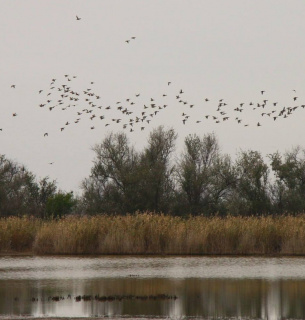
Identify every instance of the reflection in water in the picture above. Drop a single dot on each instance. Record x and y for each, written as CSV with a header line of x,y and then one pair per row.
x,y
226,297
196,297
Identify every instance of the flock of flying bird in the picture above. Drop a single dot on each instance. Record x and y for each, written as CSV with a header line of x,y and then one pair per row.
x,y
133,113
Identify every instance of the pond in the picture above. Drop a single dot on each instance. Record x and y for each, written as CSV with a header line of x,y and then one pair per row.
x,y
150,287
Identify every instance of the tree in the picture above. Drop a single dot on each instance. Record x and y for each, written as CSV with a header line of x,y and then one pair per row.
x,y
251,193
19,191
15,186
204,175
155,170
112,185
123,180
60,204
223,182
289,187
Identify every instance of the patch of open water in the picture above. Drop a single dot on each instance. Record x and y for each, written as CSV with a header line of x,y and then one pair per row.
x,y
172,287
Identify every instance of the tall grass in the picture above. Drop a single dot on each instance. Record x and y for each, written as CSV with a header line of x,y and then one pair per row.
x,y
147,233
18,234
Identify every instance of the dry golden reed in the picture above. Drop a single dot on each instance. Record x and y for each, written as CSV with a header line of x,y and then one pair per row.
x,y
18,234
149,233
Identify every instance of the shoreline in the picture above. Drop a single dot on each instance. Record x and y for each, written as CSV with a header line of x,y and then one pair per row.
x,y
86,318
150,255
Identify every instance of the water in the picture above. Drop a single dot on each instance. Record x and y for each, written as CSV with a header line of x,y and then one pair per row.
x,y
205,287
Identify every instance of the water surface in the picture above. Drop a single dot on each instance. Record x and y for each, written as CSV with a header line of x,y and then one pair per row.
x,y
205,287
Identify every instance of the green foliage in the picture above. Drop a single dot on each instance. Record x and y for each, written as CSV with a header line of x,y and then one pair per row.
x,y
59,205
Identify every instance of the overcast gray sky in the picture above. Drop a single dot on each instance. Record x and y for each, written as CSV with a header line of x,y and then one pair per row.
x,y
227,50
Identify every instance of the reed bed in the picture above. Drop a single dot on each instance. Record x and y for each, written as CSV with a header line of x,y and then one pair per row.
x,y
148,233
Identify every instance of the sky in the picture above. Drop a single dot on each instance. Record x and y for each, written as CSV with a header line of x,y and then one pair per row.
x,y
230,50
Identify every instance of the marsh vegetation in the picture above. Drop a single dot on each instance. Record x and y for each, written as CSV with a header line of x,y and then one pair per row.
x,y
149,233
154,201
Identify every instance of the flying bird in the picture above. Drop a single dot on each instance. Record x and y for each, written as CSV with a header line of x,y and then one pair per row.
x,y
78,18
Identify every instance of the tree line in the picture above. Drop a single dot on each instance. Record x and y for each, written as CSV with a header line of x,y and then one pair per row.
x,y
199,180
